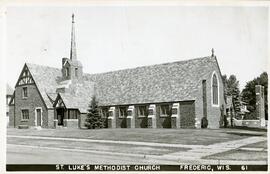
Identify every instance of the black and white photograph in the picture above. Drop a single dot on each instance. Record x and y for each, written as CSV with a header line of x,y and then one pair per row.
x,y
136,87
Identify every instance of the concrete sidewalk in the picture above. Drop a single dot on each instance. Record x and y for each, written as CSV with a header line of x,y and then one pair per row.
x,y
194,155
200,152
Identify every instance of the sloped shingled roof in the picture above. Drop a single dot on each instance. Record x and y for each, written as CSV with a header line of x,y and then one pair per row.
x,y
79,95
46,79
176,81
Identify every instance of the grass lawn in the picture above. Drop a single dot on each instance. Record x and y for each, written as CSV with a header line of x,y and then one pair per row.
x,y
173,136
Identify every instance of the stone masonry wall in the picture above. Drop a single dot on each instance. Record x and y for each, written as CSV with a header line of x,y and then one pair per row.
x,y
33,101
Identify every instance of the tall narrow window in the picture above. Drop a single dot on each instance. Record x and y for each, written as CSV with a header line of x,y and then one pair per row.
x,y
215,90
67,72
76,72
24,92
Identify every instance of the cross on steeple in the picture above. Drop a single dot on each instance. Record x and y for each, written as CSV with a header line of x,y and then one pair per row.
x,y
73,55
212,50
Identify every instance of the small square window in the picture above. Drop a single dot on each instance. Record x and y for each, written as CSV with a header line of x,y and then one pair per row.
x,y
24,92
25,114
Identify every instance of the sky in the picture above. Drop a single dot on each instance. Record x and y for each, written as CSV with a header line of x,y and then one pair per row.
x,y
117,37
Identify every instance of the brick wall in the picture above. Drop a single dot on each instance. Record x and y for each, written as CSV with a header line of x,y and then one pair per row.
x,y
213,112
33,101
71,123
187,114
82,119
50,118
173,122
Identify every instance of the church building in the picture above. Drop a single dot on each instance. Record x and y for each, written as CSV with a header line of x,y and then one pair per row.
x,y
170,95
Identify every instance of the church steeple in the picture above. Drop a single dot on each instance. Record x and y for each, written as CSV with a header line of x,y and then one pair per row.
x,y
73,54
72,68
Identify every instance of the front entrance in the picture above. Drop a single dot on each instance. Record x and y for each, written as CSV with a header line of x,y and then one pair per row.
x,y
60,116
38,117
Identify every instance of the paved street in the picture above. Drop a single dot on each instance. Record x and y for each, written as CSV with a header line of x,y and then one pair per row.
x,y
25,148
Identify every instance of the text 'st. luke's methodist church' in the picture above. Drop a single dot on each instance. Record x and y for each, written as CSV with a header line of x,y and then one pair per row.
x,y
170,95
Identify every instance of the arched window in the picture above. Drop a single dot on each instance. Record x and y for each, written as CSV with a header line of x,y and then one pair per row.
x,y
67,72
214,90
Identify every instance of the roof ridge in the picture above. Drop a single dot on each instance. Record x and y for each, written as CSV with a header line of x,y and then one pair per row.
x,y
160,64
45,66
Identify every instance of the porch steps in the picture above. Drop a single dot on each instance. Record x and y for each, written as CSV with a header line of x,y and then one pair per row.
x,y
60,127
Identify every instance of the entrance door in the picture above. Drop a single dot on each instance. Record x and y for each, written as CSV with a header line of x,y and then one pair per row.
x,y
60,116
38,112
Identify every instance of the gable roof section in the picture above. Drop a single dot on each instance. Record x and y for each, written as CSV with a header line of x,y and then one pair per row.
x,y
176,81
46,79
79,95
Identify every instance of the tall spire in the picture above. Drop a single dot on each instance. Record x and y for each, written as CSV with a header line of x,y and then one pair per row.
x,y
73,55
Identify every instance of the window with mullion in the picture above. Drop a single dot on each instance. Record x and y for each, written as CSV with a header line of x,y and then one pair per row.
x,y
164,110
25,114
142,111
122,112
